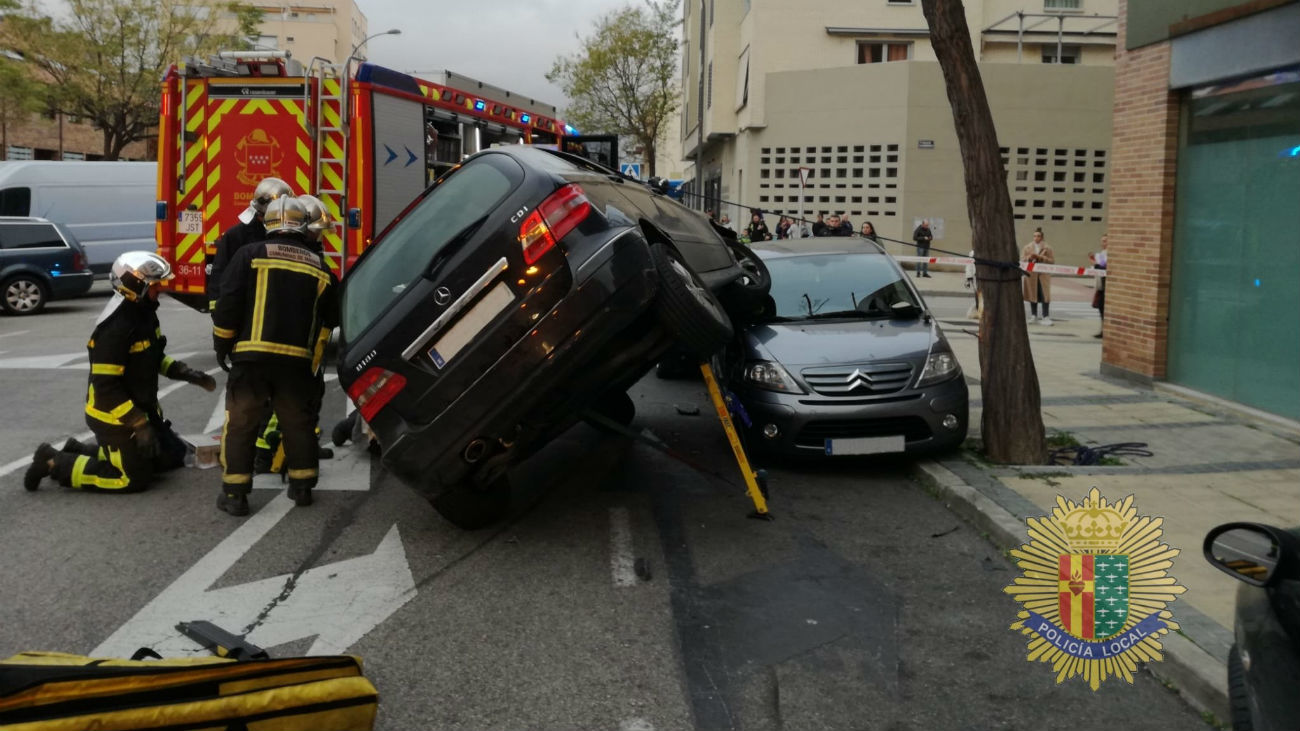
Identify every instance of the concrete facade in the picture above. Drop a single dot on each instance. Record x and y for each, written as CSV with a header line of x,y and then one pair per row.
x,y
859,84
326,28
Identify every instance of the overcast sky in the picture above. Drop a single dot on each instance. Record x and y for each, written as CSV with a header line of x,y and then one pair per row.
x,y
508,43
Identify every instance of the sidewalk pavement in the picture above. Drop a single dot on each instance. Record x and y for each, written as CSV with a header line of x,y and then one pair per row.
x,y
1211,464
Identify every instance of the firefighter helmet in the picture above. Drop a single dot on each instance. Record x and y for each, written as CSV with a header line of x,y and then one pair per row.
x,y
285,215
318,218
268,190
134,271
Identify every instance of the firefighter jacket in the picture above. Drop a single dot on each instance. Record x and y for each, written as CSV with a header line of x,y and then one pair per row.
x,y
279,302
235,238
126,358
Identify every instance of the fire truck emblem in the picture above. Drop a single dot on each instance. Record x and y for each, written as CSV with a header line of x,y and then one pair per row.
x,y
258,155
1094,589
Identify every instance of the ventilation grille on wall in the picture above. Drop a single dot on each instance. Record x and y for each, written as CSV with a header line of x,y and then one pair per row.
x,y
858,180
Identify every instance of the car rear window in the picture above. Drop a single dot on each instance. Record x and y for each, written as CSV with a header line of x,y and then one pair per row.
x,y
457,200
29,236
819,284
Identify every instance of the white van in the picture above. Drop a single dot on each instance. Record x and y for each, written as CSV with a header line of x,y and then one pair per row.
x,y
108,206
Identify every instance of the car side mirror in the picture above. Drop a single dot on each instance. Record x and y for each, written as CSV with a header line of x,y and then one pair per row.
x,y
1259,555
905,310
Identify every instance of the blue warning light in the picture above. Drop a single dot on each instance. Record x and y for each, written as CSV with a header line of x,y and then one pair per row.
x,y
524,118
1256,281
1295,151
479,105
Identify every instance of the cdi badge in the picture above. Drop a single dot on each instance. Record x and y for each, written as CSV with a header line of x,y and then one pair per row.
x,y
1094,589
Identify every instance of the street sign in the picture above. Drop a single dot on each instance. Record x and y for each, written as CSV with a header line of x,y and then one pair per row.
x,y
803,176
631,169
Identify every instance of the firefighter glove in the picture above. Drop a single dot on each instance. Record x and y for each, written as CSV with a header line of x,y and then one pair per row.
x,y
198,378
223,346
146,440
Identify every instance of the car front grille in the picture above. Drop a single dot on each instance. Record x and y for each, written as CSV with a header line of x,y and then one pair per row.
x,y
861,380
815,433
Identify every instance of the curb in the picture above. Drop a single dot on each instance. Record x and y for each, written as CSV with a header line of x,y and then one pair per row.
x,y
1197,676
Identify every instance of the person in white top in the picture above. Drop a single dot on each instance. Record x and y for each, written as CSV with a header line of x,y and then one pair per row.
x,y
1038,285
1099,296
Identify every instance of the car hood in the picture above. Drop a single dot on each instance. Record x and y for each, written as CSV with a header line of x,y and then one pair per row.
x,y
817,343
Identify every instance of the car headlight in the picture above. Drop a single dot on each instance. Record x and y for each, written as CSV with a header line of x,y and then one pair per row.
x,y
938,367
771,377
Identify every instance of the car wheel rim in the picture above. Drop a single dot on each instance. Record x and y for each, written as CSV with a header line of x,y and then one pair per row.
x,y
23,296
697,291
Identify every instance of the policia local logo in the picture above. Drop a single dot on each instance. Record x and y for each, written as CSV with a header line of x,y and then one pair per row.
x,y
1094,589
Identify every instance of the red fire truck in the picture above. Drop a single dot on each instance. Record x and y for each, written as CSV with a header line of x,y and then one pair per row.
x,y
366,143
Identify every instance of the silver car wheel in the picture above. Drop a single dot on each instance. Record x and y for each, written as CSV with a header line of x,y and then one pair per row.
x,y
23,295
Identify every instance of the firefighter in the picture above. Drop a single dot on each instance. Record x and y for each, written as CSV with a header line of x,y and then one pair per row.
x,y
133,441
278,304
250,229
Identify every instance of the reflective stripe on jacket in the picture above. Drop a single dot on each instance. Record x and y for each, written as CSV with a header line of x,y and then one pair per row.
x,y
126,357
277,301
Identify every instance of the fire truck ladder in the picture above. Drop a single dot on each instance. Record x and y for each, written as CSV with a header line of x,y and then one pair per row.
x,y
330,121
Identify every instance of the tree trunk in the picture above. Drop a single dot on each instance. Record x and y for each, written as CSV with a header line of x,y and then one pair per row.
x,y
1012,425
650,159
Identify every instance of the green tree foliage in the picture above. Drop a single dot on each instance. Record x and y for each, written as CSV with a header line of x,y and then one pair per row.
x,y
20,98
103,59
623,79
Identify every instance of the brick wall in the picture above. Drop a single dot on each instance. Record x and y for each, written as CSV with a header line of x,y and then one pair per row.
x,y
1141,221
42,135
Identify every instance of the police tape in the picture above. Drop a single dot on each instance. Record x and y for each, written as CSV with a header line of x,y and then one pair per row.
x,y
1029,266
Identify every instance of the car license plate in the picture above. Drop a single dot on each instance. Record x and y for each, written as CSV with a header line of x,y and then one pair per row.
x,y
472,323
865,445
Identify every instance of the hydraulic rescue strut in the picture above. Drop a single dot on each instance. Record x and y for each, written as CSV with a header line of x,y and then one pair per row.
x,y
724,415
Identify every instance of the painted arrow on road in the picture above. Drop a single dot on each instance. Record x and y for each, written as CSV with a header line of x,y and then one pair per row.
x,y
336,603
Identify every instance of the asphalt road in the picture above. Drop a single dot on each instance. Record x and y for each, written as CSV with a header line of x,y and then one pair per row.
x,y
628,590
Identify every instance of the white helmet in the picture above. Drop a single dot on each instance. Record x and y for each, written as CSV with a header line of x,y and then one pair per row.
x,y
285,214
318,217
134,271
268,190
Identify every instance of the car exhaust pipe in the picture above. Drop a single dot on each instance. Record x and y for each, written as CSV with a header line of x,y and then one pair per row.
x,y
475,450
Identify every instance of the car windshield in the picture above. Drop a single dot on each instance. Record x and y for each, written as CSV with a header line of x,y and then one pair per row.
x,y
818,286
458,201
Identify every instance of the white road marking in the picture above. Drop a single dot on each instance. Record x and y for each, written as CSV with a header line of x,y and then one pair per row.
x,y
24,461
336,603
43,362
218,418
331,377
621,561
349,471
13,334
636,724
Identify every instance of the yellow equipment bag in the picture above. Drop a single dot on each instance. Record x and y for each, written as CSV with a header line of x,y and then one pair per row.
x,y
54,691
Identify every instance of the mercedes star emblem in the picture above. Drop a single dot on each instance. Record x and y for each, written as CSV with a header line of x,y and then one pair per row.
x,y
442,295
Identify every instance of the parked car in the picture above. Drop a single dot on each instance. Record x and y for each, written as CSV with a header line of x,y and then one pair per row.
x,y
39,261
108,206
524,287
1264,661
846,359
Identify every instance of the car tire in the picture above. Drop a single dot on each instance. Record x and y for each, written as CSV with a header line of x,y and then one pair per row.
x,y
616,406
23,294
686,307
470,507
1238,700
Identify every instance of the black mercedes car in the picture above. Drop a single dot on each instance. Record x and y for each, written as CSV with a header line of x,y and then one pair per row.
x,y
524,288
1264,662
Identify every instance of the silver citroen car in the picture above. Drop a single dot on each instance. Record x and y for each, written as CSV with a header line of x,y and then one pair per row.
x,y
845,359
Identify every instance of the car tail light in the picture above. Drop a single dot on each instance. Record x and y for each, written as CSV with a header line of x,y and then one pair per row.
x,y
78,262
374,389
559,214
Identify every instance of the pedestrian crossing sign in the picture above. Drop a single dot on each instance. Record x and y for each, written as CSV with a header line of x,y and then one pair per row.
x,y
631,169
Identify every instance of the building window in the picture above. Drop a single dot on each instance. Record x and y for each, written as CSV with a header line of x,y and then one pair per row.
x,y
708,99
18,153
1061,5
882,52
1069,54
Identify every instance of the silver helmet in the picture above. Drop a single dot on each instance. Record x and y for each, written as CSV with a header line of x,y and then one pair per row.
x,y
134,271
268,190
318,217
285,214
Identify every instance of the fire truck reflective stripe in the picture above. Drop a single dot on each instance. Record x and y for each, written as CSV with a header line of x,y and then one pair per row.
x,y
214,177
257,106
213,206
304,155
291,106
192,180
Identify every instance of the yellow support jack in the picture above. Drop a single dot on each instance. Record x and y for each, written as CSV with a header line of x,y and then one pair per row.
x,y
724,415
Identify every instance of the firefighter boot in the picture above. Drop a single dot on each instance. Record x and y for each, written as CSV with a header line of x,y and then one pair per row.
x,y
78,447
234,503
40,467
300,492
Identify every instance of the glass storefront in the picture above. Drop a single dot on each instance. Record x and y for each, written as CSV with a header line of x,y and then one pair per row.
x,y
1234,328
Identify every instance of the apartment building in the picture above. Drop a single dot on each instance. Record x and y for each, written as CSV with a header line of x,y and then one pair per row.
x,y
1204,292
850,92
320,28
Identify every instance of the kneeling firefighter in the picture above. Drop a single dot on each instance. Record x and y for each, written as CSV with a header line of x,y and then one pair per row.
x,y
278,304
133,441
